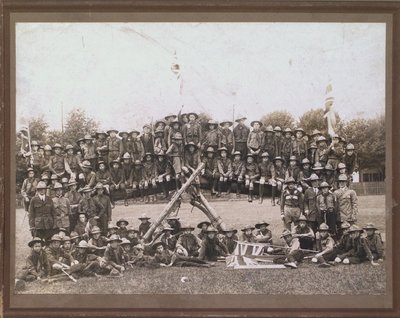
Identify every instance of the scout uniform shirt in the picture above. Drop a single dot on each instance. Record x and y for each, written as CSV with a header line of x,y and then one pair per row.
x,y
374,243
58,165
310,204
230,243
227,139
192,133
267,170
224,167
210,166
251,170
148,143
56,256
299,148
255,139
212,139
163,167
148,171
62,209
115,256
212,248
190,243
89,151
287,146
36,264
41,213
73,162
237,168
293,172
113,148
326,244
124,146
160,145
269,145
347,204
241,133
127,171
293,199
102,148
351,162
28,188
90,179
91,207
117,175
104,177
137,149
143,228
263,237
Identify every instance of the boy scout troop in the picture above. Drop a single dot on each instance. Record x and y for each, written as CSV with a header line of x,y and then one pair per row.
x,y
305,177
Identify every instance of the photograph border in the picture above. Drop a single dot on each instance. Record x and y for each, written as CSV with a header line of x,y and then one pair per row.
x,y
171,305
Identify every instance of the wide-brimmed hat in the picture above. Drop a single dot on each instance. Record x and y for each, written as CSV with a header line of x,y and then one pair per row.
x,y
355,228
86,164
258,225
200,225
29,170
248,227
123,133
345,225
99,185
157,244
134,131
269,128
222,149
54,177
237,153
101,132
212,122
328,166
143,217
175,121
288,131
126,156
114,238
256,121
125,241
132,229
138,163
80,140
285,233
211,229
41,185
239,118
290,180
35,240
369,226
114,161
279,158
159,131
177,136
317,166
56,237
112,130
111,226
323,227
95,230
210,149
230,229
83,244
191,144
187,227
173,218
88,137
265,155
277,128
341,165
302,218
58,185
314,177
47,148
350,146
57,146
299,129
316,132
160,121
66,239
324,184
170,116
74,235
122,220
250,155
342,177
321,138
68,147
72,182
305,161
192,113
167,228
293,158
226,122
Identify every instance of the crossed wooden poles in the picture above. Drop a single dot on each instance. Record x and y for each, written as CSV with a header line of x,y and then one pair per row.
x,y
198,200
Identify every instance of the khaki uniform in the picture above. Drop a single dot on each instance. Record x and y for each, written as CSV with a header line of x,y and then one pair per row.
x,y
63,209
292,206
346,205
42,217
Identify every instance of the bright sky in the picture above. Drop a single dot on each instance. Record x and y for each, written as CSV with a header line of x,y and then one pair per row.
x,y
120,73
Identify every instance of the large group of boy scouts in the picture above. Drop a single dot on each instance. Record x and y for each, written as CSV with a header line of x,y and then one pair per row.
x,y
70,190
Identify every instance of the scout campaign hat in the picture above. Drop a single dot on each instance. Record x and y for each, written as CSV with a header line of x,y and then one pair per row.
x,y
132,229
323,227
58,186
192,113
210,149
74,235
248,227
55,237
167,228
88,137
342,177
148,154
112,130
170,116
66,239
34,143
211,229
99,185
293,158
114,238
144,217
57,146
35,240
250,155
315,132
187,227
44,177
125,241
230,229
68,147
324,184
305,161
134,131
126,156
222,124
314,177
71,183
86,164
191,144
240,118
302,218
269,128
29,170
54,177
265,155
212,122
80,140
299,129
41,185
237,153
139,247
113,162
258,225
159,130
175,121
177,136
47,148
102,132
355,228
313,145
290,180
278,158
161,154
200,225
329,167
350,147
173,218
157,244
160,121
121,133
62,229
277,128
317,166
222,149
285,233
255,122
320,139
122,220
147,126
83,244
138,163
345,225
341,165
288,130
95,230
369,226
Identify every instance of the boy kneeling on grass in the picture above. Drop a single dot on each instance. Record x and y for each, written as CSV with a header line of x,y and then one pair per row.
x,y
326,247
114,260
293,253
88,264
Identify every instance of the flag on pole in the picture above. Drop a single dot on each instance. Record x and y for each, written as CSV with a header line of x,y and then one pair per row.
x,y
329,113
176,69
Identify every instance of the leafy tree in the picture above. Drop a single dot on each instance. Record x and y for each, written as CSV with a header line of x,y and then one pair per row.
x,y
77,125
54,137
368,137
279,118
38,128
314,119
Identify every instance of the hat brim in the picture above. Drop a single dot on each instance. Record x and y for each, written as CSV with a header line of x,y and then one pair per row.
x,y
200,225
258,225
112,130
248,228
119,222
226,122
155,245
241,118
188,228
31,243
230,230
144,218
370,228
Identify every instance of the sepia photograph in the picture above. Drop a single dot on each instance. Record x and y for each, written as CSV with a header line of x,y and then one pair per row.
x,y
200,158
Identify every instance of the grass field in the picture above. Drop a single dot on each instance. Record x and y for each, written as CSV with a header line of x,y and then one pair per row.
x,y
306,280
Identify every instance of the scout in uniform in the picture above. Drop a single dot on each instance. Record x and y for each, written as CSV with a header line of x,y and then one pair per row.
x,y
241,133
128,251
74,197
88,265
292,204
212,137
318,169
175,224
112,229
125,145
44,167
169,120
160,144
175,153
168,239
293,169
346,202
36,156
304,233
278,142
224,172
28,188
67,245
311,211
103,176
137,146
50,190
251,174
203,226
293,253
335,151
75,238
58,165
321,154
163,173
87,177
97,242
211,248
305,173
341,170
263,234
149,175
106,213
122,230
247,235
62,208
269,141
255,140
230,239
192,130
267,176
227,138
114,255
325,247
36,264
73,161
237,172
329,176
287,144
188,241
41,213
191,162
174,129
57,258
210,170
91,207
127,167
326,205
350,159
132,236
144,225
138,180
374,241
101,144
344,240
117,181
81,226
300,148
280,173
113,145
90,151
